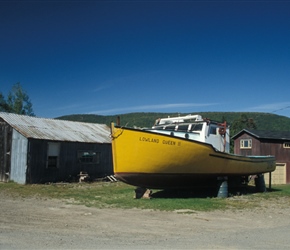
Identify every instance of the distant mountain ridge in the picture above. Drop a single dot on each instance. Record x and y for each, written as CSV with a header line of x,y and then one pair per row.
x,y
264,121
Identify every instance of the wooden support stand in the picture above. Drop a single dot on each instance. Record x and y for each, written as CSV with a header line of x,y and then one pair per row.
x,y
260,183
142,193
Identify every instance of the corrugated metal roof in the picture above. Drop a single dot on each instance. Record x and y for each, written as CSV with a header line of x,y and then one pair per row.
x,y
57,130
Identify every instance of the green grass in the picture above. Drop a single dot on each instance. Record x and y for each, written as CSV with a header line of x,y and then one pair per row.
x,y
120,195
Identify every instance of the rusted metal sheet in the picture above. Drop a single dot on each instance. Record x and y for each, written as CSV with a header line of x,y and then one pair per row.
x,y
18,158
57,130
5,150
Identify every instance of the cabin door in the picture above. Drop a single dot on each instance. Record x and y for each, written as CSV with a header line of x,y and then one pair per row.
x,y
5,151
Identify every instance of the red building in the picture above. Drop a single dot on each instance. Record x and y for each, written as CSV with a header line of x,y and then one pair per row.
x,y
258,142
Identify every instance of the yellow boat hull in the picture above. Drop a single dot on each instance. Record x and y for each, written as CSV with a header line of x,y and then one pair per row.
x,y
146,159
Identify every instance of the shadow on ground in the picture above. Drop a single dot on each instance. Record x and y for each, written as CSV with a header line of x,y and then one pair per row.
x,y
204,192
184,193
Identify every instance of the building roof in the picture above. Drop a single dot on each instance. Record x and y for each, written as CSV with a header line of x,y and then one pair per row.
x,y
57,130
263,134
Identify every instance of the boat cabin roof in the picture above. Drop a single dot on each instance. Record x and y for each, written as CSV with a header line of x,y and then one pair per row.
x,y
182,127
188,123
180,119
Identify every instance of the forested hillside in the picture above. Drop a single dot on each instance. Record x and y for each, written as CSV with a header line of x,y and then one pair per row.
x,y
263,121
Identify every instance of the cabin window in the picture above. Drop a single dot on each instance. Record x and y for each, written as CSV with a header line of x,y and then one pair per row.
x,y
246,143
196,127
212,130
286,145
89,157
170,128
53,151
183,128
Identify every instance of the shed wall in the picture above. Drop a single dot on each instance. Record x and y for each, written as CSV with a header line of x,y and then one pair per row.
x,y
5,150
69,165
266,147
18,158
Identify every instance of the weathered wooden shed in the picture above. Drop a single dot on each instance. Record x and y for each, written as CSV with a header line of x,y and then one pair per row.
x,y
38,150
258,142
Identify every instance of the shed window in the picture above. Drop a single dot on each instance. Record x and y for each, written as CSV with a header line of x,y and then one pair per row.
x,y
286,145
53,155
246,143
88,157
52,162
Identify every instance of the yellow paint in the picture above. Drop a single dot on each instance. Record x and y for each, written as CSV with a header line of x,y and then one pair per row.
x,y
138,151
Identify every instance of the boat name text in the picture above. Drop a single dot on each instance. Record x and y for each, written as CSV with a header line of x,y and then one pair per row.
x,y
169,142
149,139
155,140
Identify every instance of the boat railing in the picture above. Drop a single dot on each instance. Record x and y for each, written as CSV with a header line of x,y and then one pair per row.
x,y
179,119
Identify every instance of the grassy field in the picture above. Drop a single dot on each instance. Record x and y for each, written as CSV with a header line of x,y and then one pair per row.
x,y
120,195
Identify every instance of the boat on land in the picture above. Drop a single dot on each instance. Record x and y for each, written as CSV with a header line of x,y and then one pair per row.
x,y
181,152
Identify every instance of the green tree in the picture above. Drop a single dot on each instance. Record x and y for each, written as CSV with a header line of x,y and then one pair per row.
x,y
17,102
243,122
3,104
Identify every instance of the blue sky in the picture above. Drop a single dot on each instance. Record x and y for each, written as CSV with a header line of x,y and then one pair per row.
x,y
116,57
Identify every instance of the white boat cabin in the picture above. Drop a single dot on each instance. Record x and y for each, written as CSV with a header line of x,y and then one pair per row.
x,y
194,127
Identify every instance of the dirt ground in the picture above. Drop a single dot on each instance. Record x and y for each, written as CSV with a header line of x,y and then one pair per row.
x,y
54,224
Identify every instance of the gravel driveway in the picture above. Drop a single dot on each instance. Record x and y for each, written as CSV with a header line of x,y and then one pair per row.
x,y
53,224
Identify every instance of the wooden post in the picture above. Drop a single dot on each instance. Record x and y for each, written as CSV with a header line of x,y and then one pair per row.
x,y
260,183
142,193
270,181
